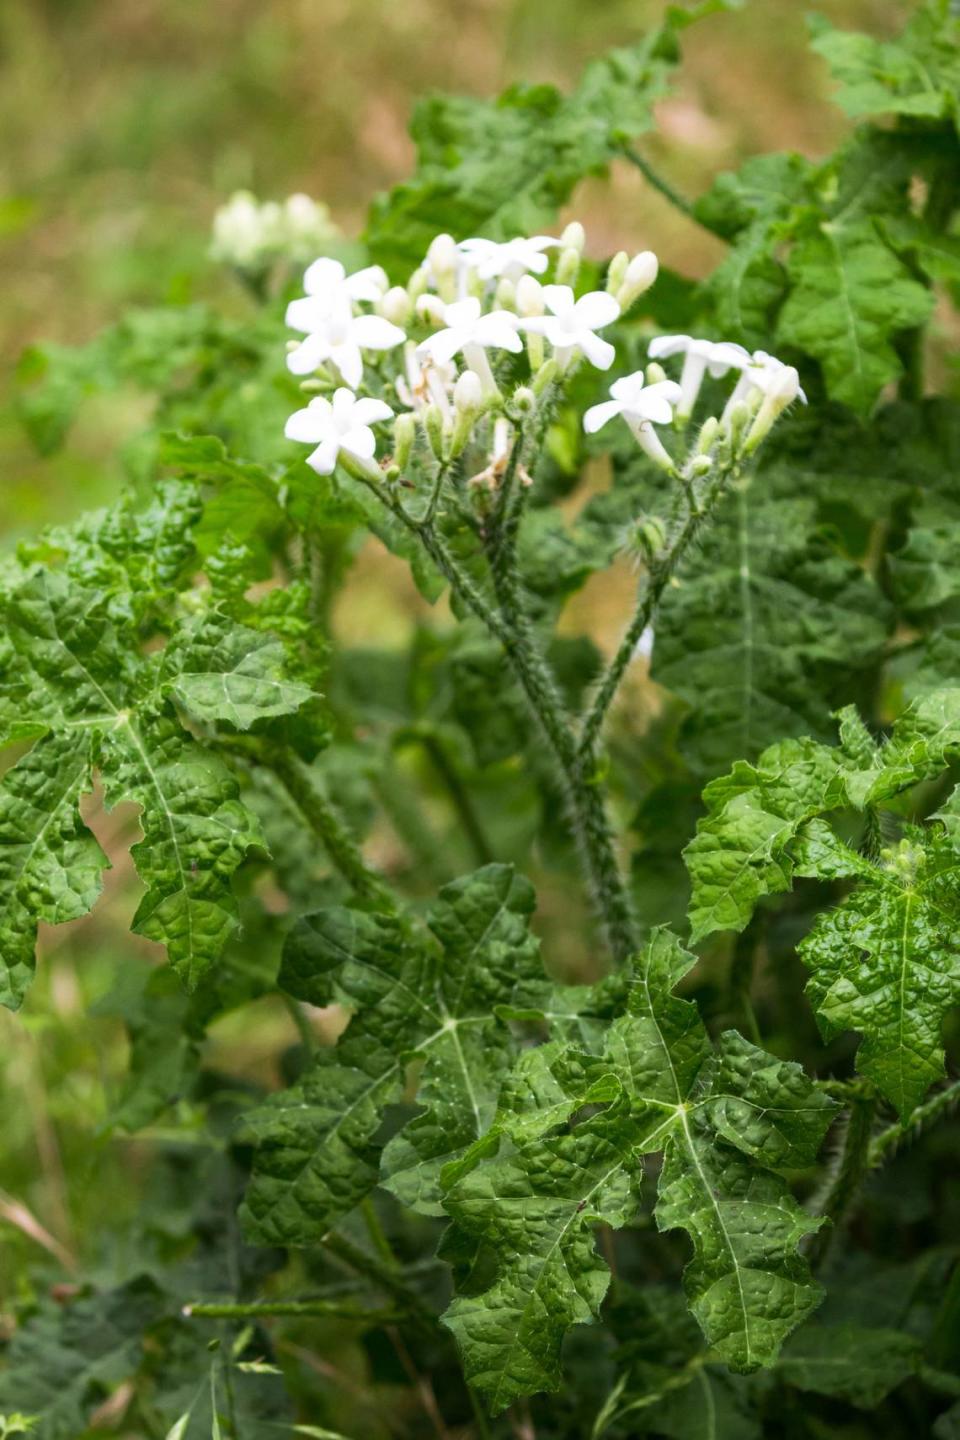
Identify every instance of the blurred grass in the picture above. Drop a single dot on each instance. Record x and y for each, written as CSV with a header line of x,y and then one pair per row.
x,y
124,124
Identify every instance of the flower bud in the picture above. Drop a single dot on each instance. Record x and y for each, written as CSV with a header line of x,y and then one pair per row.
x,y
392,473
709,434
314,387
404,434
433,425
574,237
545,375
396,306
649,536
430,308
737,421
617,272
640,275
699,466
443,257
468,393
505,295
418,283
778,397
655,374
524,400
529,297
568,266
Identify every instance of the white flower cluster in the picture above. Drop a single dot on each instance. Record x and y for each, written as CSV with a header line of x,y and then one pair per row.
x,y
251,235
464,306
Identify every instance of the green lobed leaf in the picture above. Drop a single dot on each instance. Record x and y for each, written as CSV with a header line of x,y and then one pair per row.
x,y
917,74
849,1362
527,1199
221,671
317,1147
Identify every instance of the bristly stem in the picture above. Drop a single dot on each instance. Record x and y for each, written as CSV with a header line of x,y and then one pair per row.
x,y
334,1309
459,796
933,1109
677,200
662,567
848,1173
305,791
584,801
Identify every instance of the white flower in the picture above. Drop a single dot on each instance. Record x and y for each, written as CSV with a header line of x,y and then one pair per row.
x,y
426,383
343,425
764,373
238,232
642,406
470,332
330,288
340,337
699,356
511,259
571,325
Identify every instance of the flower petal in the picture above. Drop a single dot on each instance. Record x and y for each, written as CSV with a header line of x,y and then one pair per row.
x,y
663,345
462,313
595,310
368,411
308,313
310,353
628,387
367,284
310,424
359,442
442,347
597,350
372,332
598,415
349,362
498,331
559,299
324,458
323,275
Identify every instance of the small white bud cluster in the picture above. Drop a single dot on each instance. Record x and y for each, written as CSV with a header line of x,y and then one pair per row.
x,y
252,235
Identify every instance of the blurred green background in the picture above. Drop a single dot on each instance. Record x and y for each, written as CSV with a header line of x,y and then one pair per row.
x,y
123,125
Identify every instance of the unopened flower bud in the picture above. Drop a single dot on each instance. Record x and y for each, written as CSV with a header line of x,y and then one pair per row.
x,y
574,237
392,473
404,434
418,283
468,393
396,306
529,297
699,466
709,434
737,421
775,401
617,272
430,308
545,376
443,256
313,387
524,400
568,266
433,425
640,275
506,294
650,536
655,374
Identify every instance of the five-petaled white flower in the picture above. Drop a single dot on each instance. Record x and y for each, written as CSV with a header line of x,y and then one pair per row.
x,y
330,288
343,425
765,373
470,332
642,406
491,260
340,337
699,356
571,325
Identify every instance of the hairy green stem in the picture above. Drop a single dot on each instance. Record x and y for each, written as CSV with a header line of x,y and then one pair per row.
x,y
338,1310
304,790
663,566
584,801
933,1109
459,797
386,1276
846,1177
654,178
